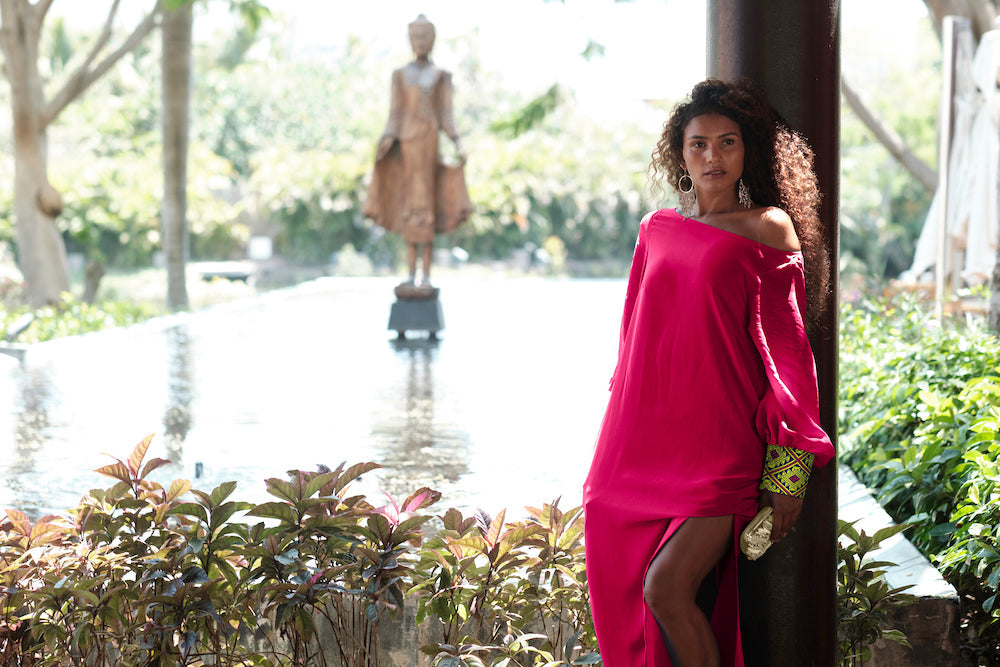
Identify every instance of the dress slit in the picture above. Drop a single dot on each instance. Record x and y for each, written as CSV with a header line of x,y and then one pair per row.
x,y
724,619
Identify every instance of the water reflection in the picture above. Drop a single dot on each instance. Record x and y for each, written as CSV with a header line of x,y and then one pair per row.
x,y
32,418
501,412
30,422
177,418
416,449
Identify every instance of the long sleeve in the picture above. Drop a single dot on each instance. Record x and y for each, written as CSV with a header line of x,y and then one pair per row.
x,y
788,413
632,291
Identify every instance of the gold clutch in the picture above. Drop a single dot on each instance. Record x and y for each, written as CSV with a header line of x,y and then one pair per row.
x,y
756,537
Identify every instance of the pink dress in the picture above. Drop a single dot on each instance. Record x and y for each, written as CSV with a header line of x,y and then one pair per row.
x,y
713,364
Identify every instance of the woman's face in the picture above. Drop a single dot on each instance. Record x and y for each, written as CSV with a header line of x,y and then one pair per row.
x,y
713,152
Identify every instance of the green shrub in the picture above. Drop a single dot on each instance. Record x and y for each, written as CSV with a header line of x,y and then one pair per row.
x,y
919,411
863,596
73,317
139,575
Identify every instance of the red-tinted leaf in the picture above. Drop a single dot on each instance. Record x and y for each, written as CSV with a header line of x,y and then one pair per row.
x,y
205,499
493,534
117,471
152,465
43,532
353,473
421,498
454,521
380,525
177,488
138,454
20,522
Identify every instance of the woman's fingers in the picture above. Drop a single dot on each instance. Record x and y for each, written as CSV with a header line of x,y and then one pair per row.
x,y
786,511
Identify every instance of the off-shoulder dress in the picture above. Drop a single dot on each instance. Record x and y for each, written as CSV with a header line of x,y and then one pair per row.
x,y
713,366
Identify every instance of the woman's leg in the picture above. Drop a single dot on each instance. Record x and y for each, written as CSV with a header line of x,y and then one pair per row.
x,y
672,583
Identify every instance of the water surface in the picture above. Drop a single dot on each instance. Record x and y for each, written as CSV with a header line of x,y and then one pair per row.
x,y
501,411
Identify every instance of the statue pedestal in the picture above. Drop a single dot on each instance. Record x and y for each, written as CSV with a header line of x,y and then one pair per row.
x,y
416,312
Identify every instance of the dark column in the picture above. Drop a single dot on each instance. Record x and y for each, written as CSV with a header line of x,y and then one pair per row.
x,y
792,48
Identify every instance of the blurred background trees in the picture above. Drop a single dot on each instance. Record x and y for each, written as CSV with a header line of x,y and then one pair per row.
x,y
281,147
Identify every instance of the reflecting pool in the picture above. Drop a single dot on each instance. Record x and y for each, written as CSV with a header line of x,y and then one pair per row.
x,y
500,411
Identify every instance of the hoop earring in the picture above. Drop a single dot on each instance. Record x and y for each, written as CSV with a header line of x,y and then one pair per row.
x,y
743,195
687,196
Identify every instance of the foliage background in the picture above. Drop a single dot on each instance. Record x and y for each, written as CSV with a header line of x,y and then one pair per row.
x,y
282,146
920,425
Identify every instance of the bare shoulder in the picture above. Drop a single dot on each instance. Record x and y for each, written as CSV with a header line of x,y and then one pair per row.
x,y
775,229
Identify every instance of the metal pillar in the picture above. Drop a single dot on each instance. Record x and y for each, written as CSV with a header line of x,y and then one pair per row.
x,y
792,48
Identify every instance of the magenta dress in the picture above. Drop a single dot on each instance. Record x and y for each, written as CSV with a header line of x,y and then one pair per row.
x,y
713,364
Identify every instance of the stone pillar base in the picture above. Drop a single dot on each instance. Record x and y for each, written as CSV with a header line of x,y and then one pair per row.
x,y
416,315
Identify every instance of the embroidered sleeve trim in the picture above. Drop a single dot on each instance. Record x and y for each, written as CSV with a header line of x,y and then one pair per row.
x,y
786,470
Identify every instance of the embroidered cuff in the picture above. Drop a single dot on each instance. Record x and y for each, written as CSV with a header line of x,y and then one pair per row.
x,y
786,470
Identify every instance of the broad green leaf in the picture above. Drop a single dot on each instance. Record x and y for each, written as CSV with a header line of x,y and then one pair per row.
x,y
220,493
317,482
189,509
274,510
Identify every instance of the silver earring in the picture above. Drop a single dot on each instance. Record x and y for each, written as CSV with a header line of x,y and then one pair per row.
x,y
743,194
687,195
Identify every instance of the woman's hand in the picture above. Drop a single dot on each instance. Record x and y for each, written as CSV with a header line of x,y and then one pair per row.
x,y
786,511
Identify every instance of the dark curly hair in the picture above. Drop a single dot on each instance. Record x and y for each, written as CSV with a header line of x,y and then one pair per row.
x,y
777,168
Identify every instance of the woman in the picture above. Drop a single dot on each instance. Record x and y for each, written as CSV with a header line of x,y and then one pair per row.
x,y
714,409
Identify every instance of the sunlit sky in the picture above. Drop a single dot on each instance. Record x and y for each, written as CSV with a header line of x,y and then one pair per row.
x,y
654,49
651,46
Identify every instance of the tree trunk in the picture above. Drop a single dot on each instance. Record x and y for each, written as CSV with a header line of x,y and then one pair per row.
x,y
176,63
41,250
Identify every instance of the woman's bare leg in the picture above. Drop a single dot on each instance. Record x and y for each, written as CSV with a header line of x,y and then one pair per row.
x,y
672,583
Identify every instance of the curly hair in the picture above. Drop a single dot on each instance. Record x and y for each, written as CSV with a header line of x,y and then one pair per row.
x,y
777,168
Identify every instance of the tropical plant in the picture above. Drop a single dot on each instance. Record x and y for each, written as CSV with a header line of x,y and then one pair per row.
x,y
507,594
919,407
863,596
